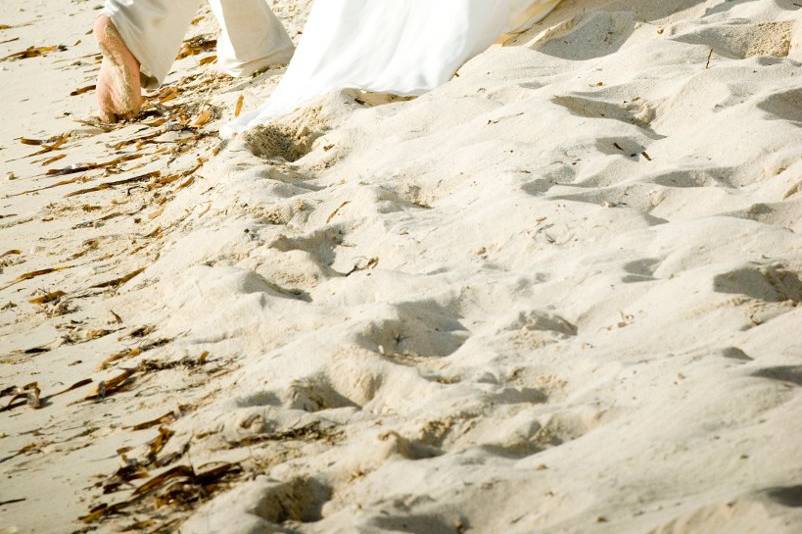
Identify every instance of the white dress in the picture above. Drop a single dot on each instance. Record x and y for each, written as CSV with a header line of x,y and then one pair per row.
x,y
403,47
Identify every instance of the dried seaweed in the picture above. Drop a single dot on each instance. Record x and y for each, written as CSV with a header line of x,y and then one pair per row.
x,y
141,331
239,105
47,297
124,476
310,432
79,384
163,181
31,142
117,282
40,272
197,45
166,419
51,186
54,159
133,352
109,387
110,185
335,212
36,350
156,445
33,51
83,167
30,392
179,485
82,90
48,145
202,118
35,274
117,356
103,510
189,475
167,94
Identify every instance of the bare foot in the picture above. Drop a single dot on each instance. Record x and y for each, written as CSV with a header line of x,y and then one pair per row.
x,y
119,93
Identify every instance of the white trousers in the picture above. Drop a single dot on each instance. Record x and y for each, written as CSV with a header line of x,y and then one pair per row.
x,y
251,36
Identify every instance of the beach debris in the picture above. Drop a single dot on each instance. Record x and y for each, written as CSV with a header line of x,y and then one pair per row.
x,y
102,510
141,331
202,118
335,212
82,90
76,385
33,395
47,145
83,167
36,350
54,159
166,419
364,265
796,188
117,356
207,60
31,142
109,185
104,127
117,282
116,384
47,297
133,352
167,94
186,183
126,474
29,392
163,181
155,122
35,274
197,45
33,51
51,186
179,485
238,106
156,445
189,476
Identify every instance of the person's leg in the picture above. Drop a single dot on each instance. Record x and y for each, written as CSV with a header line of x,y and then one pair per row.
x,y
139,40
119,94
251,37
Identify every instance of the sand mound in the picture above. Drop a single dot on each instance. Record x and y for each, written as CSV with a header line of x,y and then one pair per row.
x,y
559,294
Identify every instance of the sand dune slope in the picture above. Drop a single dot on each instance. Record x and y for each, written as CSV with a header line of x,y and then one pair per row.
x,y
559,294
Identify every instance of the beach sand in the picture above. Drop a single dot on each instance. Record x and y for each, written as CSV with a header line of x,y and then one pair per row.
x,y
560,293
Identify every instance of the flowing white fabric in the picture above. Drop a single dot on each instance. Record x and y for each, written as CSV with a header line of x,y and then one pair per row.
x,y
402,47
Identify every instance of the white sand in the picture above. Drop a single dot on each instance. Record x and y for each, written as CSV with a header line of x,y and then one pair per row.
x,y
559,294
